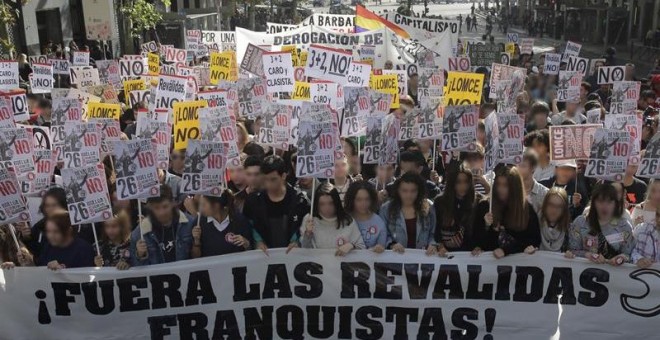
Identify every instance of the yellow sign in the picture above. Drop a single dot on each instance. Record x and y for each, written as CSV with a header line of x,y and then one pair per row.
x,y
303,58
301,91
186,122
221,66
153,63
464,88
510,48
103,110
386,83
294,54
133,85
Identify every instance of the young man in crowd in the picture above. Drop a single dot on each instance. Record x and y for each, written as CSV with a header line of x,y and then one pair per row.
x,y
414,162
251,171
565,178
534,190
277,211
539,140
165,235
540,117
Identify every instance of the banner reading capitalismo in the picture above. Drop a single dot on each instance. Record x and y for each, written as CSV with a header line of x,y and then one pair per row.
x,y
313,294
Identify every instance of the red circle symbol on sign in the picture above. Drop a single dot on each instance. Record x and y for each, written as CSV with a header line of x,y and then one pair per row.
x,y
299,74
464,64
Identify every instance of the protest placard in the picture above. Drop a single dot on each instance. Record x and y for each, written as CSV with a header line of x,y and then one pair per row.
x,y
252,60
6,114
463,88
501,72
220,67
358,74
572,50
459,128
82,144
430,84
372,142
19,104
12,205
484,54
217,123
510,137
109,72
608,155
251,97
131,85
650,163
175,55
60,66
186,122
568,86
301,91
204,168
171,90
324,92
428,124
135,168
80,58
103,110
491,146
158,131
316,146
389,150
625,95
275,126
278,69
631,123
551,63
9,75
571,141
328,64
610,74
41,78
84,98
87,195
110,132
356,109
132,66
526,45
45,161
16,152
407,124
387,84
578,64
459,64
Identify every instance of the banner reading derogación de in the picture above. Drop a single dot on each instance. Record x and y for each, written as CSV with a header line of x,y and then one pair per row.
x,y
313,294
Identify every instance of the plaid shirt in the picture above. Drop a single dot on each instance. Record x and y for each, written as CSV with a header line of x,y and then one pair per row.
x,y
648,243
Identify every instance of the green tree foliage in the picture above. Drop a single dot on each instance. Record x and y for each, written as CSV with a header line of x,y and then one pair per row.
x,y
9,12
143,15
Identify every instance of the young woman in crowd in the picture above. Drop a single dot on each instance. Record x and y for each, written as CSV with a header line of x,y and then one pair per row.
x,y
115,243
361,203
646,211
409,216
329,226
602,236
453,211
554,222
221,230
10,256
509,224
35,238
64,249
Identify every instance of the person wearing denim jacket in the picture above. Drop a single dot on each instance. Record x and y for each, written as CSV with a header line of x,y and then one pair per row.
x,y
152,243
395,222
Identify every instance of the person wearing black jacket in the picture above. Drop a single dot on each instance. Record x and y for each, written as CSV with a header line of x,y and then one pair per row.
x,y
453,212
511,225
276,212
564,178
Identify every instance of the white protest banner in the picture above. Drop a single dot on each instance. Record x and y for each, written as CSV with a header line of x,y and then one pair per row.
x,y
328,64
356,109
135,167
608,156
389,150
12,204
159,132
45,161
625,95
204,169
16,152
572,49
9,75
491,147
19,104
109,72
361,296
568,88
80,58
650,163
219,40
526,45
175,55
171,89
610,74
87,194
41,78
131,66
358,74
251,97
631,123
459,128
551,64
428,124
440,34
578,64
337,22
316,145
60,66
303,37
81,144
571,141
275,126
278,69
510,137
459,64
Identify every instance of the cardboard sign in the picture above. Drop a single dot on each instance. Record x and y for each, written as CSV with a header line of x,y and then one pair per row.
x,y
572,49
459,128
135,167
316,146
80,58
484,54
170,90
16,152
459,64
301,91
512,38
328,64
608,155
103,110
463,88
274,130
491,146
87,194
402,85
568,89
324,92
132,66
12,205
650,164
578,64
205,168
610,74
625,95
356,109
175,55
109,72
153,63
510,137
88,77
278,68
38,59
159,132
41,79
217,124
252,60
81,144
133,85
551,64
220,66
526,45
186,122
9,75
572,141
358,74
60,66
19,104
